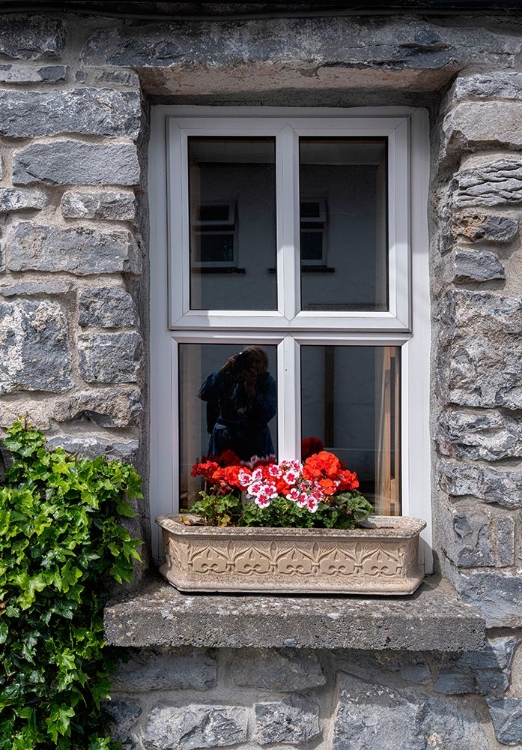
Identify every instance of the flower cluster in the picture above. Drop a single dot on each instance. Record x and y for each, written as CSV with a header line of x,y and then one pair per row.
x,y
306,484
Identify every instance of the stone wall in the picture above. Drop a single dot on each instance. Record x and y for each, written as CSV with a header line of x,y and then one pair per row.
x,y
74,94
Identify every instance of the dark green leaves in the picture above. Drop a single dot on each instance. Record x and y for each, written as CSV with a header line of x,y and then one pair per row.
x,y
60,539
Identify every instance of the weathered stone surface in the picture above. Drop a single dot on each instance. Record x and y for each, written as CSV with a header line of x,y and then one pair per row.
x,y
477,265
450,682
497,596
91,447
506,715
473,125
175,669
495,486
374,715
88,111
21,199
480,349
431,620
499,85
417,673
37,412
69,162
473,539
110,357
491,667
483,227
36,288
23,73
106,307
31,37
109,407
106,204
490,436
114,77
496,183
194,726
34,347
82,251
277,669
290,722
124,713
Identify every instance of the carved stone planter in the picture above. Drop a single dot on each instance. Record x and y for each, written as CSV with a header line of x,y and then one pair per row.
x,y
380,558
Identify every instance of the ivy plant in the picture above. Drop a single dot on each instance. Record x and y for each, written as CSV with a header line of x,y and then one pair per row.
x,y
61,542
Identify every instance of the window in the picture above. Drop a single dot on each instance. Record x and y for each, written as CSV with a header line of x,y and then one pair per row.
x,y
294,242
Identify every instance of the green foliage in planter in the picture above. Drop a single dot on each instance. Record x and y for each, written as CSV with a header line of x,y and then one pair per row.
x,y
60,539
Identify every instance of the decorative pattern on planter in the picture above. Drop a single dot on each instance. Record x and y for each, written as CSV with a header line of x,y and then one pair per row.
x,y
378,559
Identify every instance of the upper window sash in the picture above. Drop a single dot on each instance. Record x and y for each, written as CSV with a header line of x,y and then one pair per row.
x,y
287,131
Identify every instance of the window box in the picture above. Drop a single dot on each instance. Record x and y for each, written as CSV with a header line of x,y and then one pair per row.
x,y
381,558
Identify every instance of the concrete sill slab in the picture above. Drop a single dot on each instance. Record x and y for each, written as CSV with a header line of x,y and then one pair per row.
x,y
431,619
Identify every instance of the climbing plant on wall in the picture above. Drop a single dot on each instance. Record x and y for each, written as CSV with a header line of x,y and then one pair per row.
x,y
61,542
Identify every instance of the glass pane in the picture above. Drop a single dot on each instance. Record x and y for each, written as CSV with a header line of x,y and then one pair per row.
x,y
351,403
232,223
227,402
343,194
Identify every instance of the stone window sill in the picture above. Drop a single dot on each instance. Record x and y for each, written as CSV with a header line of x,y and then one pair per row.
x,y
432,619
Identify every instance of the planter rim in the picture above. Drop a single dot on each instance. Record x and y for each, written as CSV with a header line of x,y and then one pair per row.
x,y
403,527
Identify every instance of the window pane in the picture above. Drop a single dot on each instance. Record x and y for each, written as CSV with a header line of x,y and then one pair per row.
x,y
350,402
344,199
232,223
227,402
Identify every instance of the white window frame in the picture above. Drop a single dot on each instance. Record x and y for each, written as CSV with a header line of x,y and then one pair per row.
x,y
405,324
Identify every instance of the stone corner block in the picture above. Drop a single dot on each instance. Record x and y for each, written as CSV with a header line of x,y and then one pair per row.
x,y
506,715
31,37
497,595
92,447
485,124
183,668
70,162
106,307
109,407
498,182
107,204
110,357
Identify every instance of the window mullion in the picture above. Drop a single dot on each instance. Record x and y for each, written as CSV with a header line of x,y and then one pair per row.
x,y
288,276
289,398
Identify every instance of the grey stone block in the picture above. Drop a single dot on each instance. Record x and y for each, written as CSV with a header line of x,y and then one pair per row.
x,y
194,726
24,73
479,350
34,347
81,251
90,111
498,654
506,715
31,37
490,436
484,124
496,183
290,722
452,682
497,596
69,162
110,357
277,669
477,265
373,715
124,713
503,487
21,199
417,673
106,307
498,85
473,539
175,669
483,227
92,447
109,407
36,288
110,205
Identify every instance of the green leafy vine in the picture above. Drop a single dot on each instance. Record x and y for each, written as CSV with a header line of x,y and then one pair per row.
x,y
61,540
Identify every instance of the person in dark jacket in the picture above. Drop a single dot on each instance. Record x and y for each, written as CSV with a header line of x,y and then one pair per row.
x,y
241,399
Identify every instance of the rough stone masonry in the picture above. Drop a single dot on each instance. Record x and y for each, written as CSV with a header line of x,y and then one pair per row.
x,y
75,93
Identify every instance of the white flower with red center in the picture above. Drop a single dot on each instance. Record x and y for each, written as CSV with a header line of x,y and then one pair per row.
x,y
302,500
257,474
262,500
291,476
274,471
244,478
255,488
312,504
270,489
294,494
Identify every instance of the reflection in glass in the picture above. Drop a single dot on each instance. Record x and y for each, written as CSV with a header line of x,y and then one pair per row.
x,y
343,196
351,403
227,402
232,223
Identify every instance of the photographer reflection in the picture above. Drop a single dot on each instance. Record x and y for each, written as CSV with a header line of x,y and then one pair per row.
x,y
241,400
